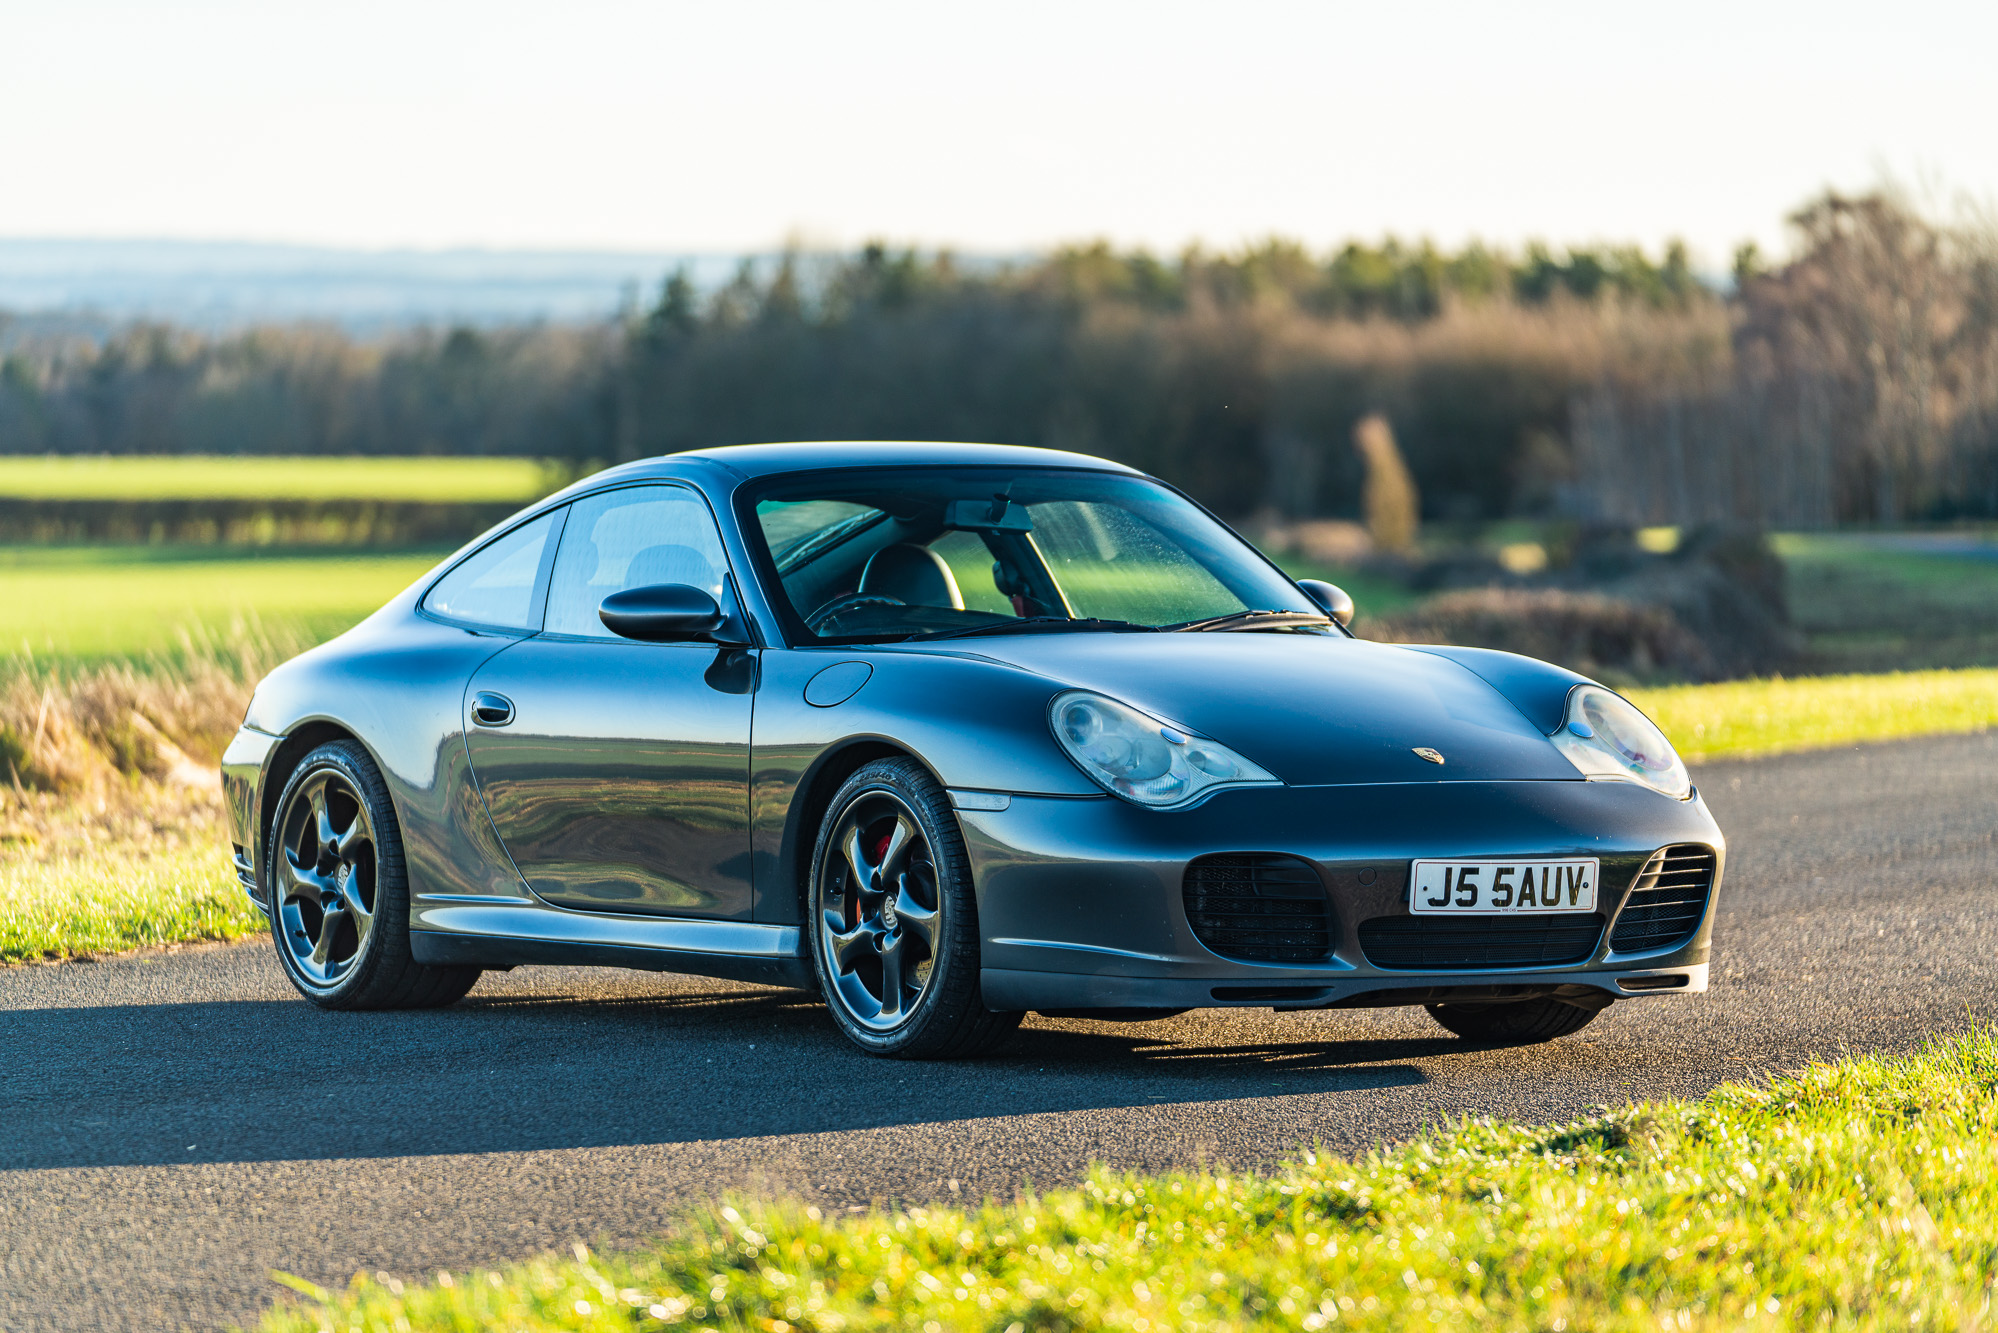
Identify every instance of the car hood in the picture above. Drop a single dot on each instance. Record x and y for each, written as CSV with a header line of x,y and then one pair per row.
x,y
1310,708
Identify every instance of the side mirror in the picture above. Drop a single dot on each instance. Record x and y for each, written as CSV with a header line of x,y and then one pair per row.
x,y
662,613
1331,597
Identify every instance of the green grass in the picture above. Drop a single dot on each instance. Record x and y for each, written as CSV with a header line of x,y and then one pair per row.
x,y
85,900
1878,602
1855,1195
202,477
96,602
1736,719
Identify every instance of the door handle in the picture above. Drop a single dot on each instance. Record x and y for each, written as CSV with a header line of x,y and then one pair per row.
x,y
491,710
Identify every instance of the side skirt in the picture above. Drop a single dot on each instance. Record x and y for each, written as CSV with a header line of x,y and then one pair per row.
x,y
499,951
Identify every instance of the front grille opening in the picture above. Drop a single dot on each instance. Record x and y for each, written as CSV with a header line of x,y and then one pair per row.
x,y
1415,943
1273,994
1259,907
1667,900
1652,983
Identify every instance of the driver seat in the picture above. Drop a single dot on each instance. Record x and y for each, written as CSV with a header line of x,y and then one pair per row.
x,y
913,575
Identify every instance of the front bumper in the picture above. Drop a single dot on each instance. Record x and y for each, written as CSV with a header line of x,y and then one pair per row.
x,y
1081,900
244,765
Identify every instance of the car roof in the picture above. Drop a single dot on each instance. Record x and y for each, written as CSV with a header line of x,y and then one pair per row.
x,y
757,460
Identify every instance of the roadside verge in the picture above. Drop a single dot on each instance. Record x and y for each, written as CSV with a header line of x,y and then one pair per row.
x,y
1860,1194
1744,719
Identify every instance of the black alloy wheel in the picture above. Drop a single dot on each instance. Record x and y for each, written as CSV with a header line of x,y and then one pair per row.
x,y
894,920
1515,1023
338,894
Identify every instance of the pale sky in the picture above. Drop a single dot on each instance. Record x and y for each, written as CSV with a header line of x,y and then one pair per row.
x,y
986,127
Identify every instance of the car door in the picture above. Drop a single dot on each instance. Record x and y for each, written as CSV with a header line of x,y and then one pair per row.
x,y
616,773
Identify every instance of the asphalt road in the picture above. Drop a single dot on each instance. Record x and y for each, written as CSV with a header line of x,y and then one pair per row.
x,y
173,1126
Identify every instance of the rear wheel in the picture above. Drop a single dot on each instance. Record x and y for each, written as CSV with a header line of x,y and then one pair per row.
x,y
1520,1023
894,921
338,893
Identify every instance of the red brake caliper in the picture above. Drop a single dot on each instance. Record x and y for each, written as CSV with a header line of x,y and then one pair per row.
x,y
853,899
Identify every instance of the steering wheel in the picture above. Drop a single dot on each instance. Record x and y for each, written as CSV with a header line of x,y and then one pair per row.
x,y
839,606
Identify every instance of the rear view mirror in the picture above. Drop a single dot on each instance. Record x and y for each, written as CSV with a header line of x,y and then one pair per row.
x,y
662,613
995,515
1331,598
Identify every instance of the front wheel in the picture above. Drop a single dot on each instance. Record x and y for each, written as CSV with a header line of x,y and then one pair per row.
x,y
338,893
1519,1023
894,921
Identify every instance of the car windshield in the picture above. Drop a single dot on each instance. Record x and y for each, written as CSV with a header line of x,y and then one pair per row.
x,y
877,555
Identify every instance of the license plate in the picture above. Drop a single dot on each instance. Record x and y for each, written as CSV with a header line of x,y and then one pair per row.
x,y
1485,887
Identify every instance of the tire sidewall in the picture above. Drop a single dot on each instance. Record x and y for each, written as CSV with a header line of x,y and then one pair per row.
x,y
1520,1023
948,986
350,763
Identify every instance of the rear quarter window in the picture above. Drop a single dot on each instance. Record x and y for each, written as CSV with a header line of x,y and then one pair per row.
x,y
498,585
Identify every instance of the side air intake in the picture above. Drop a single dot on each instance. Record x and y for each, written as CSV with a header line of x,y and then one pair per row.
x,y
1259,907
1667,900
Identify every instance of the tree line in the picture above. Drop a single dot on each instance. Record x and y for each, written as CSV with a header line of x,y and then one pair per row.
x,y
1856,382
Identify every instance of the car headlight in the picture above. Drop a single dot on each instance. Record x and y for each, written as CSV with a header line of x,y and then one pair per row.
x,y
1142,759
1608,739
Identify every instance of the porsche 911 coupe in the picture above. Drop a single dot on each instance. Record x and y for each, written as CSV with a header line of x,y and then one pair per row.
x,y
949,734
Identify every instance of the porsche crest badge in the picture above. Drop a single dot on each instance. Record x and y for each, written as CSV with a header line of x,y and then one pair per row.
x,y
1433,756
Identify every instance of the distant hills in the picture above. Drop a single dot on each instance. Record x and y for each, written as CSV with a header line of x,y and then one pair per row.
x,y
219,285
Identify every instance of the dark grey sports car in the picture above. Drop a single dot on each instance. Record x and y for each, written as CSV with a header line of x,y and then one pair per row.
x,y
950,733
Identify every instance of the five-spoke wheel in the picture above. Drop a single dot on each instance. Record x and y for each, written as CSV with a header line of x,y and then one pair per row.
x,y
894,921
326,878
337,892
880,912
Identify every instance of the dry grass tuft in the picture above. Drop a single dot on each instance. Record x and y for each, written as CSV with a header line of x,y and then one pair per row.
x,y
77,730
111,821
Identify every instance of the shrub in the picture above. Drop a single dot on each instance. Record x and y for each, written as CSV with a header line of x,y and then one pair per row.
x,y
1584,631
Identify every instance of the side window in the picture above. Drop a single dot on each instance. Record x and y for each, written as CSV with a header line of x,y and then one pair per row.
x,y
631,538
495,585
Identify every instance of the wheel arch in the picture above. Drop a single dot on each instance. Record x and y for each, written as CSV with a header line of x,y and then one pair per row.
x,y
299,742
814,798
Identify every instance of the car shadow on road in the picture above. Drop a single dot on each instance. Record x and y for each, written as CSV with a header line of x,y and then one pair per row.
x,y
264,1079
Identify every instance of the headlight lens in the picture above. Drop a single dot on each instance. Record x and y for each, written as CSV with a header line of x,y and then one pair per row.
x,y
1142,759
1607,738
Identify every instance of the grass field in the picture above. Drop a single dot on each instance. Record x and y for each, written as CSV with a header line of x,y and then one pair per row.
x,y
97,602
146,866
197,477
75,904
1855,1195
1741,718
1894,601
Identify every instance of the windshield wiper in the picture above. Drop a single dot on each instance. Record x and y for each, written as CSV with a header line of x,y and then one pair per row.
x,y
1030,625
1251,620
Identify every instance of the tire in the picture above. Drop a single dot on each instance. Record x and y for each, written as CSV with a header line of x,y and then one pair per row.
x,y
340,903
1520,1023
893,920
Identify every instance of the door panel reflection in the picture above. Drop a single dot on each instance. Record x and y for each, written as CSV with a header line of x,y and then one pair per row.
x,y
622,782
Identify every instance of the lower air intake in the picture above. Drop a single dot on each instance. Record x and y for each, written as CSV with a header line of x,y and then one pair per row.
x,y
1667,900
1259,907
1415,943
